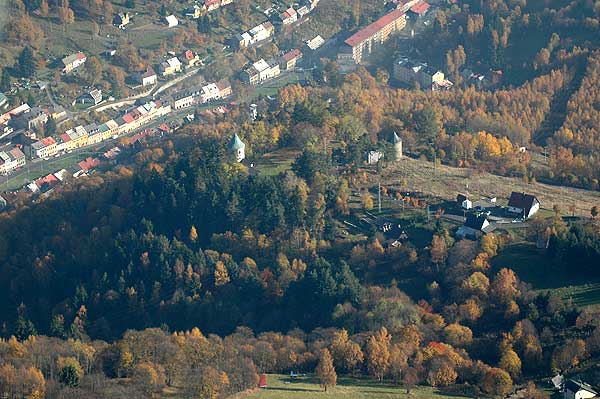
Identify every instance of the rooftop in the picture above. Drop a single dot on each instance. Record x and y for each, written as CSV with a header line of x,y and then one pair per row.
x,y
373,28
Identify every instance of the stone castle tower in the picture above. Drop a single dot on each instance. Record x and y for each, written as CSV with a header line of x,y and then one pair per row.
x,y
237,148
397,141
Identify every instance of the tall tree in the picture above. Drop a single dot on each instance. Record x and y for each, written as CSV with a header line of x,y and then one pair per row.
x,y
5,80
325,370
27,62
378,353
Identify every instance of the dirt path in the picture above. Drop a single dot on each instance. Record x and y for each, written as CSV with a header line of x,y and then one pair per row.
x,y
450,181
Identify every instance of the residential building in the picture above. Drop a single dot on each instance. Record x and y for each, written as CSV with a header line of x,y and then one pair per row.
x,y
290,59
190,59
420,74
44,148
237,148
121,19
170,66
171,21
31,118
147,78
314,43
288,17
94,97
11,160
474,227
241,40
362,42
261,71
525,205
224,88
73,138
182,100
194,12
57,112
302,11
575,389
209,92
373,157
261,32
420,8
73,61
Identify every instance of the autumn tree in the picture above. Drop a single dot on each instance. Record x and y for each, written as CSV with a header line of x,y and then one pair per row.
x,y
496,382
346,354
439,250
378,353
69,371
193,236
569,355
510,362
366,200
221,275
504,286
325,370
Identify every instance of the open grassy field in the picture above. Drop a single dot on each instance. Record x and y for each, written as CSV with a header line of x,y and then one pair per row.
x,y
533,267
449,181
282,387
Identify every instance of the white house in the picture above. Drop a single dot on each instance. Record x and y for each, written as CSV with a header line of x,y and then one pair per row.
x,y
525,205
578,390
171,20
474,227
373,157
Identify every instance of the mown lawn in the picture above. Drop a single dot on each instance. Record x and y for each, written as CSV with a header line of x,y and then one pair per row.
x,y
533,267
282,387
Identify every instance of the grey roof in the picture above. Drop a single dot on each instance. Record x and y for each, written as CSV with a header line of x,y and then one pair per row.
x,y
396,138
475,222
236,143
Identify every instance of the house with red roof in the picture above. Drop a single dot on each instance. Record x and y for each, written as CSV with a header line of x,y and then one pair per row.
x,y
288,17
420,8
361,44
189,59
290,59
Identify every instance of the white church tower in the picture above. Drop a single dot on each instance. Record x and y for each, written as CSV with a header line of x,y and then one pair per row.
x,y
237,148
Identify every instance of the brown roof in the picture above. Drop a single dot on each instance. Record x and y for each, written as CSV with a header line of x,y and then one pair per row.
x,y
521,200
420,8
290,55
373,28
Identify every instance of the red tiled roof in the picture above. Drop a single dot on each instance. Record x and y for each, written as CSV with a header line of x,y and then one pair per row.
x,y
88,163
65,137
48,141
295,53
46,179
188,55
420,8
80,55
164,128
128,118
373,28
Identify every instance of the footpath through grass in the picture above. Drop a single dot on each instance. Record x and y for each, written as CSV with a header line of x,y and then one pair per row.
x,y
282,387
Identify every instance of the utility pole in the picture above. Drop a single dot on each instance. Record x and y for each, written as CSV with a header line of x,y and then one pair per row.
x,y
379,195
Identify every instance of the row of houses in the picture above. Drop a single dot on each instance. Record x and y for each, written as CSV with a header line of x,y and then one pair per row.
x,y
199,95
27,118
204,7
82,136
262,70
255,35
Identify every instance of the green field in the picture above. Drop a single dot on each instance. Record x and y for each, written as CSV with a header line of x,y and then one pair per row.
x,y
282,387
533,267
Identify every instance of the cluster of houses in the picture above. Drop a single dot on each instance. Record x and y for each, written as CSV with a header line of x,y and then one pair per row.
x,y
199,95
520,205
82,136
255,35
202,8
262,70
266,29
420,74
